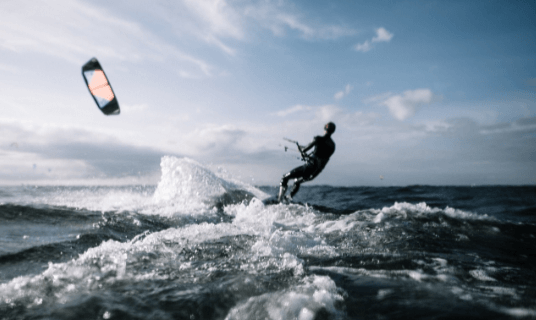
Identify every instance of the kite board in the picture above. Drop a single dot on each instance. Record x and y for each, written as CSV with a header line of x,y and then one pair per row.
x,y
274,200
99,87
270,200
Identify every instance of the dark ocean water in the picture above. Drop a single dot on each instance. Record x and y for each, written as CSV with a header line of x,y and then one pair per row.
x,y
198,246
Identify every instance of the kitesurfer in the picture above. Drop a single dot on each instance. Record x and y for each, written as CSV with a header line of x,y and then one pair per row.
x,y
314,163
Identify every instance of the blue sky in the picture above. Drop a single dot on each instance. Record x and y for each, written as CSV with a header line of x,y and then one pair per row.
x,y
422,92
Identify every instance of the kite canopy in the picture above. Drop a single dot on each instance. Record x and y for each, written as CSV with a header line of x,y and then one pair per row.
x,y
100,87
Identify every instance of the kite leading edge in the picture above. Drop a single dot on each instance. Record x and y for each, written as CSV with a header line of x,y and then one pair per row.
x,y
99,87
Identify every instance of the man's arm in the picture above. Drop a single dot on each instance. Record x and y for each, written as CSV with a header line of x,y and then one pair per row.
x,y
309,146
303,151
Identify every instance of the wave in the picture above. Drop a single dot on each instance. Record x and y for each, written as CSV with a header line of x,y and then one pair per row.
x,y
206,246
186,187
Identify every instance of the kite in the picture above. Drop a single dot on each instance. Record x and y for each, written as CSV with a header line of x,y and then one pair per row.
x,y
100,88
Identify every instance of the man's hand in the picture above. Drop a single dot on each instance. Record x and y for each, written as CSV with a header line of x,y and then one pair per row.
x,y
304,155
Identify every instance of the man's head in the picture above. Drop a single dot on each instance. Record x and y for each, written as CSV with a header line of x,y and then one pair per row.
x,y
329,127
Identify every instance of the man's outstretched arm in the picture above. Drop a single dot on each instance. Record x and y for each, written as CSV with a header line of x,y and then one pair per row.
x,y
309,146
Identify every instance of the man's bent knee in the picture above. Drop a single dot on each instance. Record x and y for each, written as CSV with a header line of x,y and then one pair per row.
x,y
284,180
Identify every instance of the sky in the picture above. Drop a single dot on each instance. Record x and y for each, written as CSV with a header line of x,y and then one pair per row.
x,y
422,92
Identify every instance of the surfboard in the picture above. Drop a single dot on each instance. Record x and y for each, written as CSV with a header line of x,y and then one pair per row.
x,y
270,200
273,200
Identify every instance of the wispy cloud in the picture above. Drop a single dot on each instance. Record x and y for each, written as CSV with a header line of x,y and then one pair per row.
x,y
341,94
363,47
280,19
291,110
75,30
382,35
217,16
210,21
406,105
377,98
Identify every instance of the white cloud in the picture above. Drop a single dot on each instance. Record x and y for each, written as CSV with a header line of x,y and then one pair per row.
x,y
377,98
382,35
404,106
327,113
131,108
213,139
10,69
75,31
291,110
341,94
293,23
63,28
363,47
211,21
217,16
278,18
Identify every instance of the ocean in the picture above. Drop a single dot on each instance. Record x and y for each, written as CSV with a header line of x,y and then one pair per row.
x,y
199,245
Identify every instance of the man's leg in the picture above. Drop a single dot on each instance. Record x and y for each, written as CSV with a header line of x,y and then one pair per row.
x,y
296,187
295,173
282,188
309,172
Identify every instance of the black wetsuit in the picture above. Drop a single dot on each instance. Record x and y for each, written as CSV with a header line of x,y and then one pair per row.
x,y
324,148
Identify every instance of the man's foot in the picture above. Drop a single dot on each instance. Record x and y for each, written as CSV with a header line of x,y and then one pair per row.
x,y
286,199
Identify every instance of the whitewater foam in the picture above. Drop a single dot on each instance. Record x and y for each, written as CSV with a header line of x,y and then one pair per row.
x,y
185,187
306,301
189,185
277,242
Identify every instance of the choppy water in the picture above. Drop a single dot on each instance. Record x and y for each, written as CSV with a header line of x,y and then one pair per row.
x,y
198,246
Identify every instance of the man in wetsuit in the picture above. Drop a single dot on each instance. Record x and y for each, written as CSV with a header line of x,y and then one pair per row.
x,y
314,163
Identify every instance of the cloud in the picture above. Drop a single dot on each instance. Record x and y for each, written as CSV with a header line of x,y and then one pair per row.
x,y
341,94
217,16
291,110
363,47
522,124
327,113
69,153
382,35
377,98
529,121
314,117
280,19
65,29
132,108
8,68
405,106
211,21
72,30
500,142
450,151
214,140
